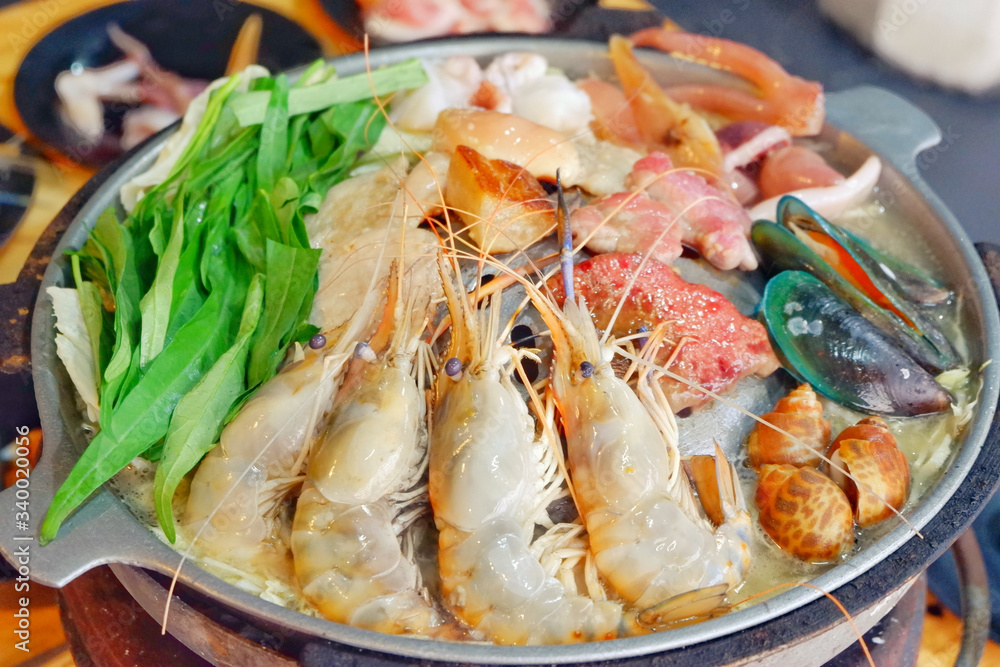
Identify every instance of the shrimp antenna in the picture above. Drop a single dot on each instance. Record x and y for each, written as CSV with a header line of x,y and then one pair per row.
x,y
565,241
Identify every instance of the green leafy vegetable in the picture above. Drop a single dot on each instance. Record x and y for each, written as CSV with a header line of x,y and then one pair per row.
x,y
289,278
273,136
142,416
251,108
198,417
193,300
93,315
154,308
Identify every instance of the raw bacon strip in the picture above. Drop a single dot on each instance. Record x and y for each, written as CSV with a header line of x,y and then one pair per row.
x,y
628,222
711,343
717,226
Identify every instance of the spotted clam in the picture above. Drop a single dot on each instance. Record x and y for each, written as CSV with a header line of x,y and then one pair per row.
x,y
879,481
805,513
800,414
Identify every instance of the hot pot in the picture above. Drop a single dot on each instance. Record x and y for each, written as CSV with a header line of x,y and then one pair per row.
x,y
859,122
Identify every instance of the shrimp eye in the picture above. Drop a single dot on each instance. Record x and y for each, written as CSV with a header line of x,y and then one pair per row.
x,y
586,369
317,342
643,339
453,367
363,351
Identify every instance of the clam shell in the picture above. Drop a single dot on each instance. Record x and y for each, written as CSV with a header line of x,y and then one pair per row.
x,y
805,513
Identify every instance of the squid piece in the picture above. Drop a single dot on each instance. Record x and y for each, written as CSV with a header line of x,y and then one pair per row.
x,y
795,168
832,200
786,100
663,123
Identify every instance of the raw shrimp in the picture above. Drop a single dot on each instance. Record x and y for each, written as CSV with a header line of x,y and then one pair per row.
x,y
240,483
650,539
363,224
348,558
236,493
489,480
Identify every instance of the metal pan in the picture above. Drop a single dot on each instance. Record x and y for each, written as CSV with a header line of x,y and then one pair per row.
x,y
861,122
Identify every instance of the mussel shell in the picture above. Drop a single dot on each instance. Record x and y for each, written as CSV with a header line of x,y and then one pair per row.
x,y
913,282
822,340
781,250
793,211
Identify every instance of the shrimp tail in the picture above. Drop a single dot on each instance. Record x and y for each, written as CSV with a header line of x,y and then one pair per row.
x,y
698,603
715,480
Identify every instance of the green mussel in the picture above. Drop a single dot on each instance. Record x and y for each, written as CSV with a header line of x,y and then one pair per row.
x,y
804,240
822,340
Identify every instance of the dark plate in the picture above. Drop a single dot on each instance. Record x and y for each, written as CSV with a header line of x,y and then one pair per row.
x,y
570,18
192,39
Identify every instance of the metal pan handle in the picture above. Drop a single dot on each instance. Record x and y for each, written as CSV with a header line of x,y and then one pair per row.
x,y
100,532
898,131
887,123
